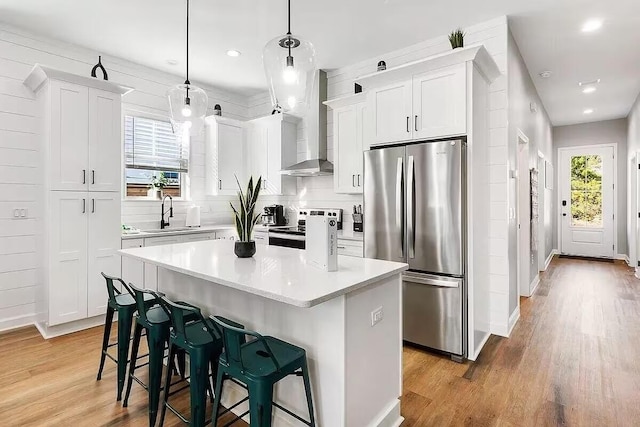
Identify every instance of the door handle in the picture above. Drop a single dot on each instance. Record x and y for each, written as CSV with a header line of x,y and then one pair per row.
x,y
93,205
93,176
411,227
400,203
84,206
416,123
408,118
84,176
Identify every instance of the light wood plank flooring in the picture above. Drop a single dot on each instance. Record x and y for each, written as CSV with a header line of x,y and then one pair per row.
x,y
573,359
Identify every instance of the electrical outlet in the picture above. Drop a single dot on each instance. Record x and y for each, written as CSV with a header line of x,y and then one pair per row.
x,y
376,316
16,213
20,213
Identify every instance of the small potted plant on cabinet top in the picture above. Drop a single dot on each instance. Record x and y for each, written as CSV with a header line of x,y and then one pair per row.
x,y
246,218
456,38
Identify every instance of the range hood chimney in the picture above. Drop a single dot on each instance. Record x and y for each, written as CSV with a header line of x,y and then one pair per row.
x,y
316,124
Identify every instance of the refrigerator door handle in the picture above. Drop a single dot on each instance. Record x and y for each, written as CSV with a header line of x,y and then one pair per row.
x,y
399,204
429,280
410,208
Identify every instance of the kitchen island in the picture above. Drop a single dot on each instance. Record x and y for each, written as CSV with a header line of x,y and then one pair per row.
x,y
349,321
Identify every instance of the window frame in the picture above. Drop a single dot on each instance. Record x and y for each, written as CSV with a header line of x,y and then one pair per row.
x,y
185,187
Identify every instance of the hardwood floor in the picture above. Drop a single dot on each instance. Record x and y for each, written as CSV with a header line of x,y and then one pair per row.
x,y
572,359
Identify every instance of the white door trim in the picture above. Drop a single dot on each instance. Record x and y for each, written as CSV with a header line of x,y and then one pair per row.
x,y
613,145
523,286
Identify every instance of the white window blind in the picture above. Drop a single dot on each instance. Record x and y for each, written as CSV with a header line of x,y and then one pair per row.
x,y
152,145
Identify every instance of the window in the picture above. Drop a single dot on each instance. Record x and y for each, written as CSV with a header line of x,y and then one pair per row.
x,y
586,191
153,153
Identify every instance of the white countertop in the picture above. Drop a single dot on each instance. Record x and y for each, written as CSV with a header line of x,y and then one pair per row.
x,y
274,272
177,231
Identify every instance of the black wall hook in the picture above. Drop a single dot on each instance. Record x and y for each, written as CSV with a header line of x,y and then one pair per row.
x,y
99,65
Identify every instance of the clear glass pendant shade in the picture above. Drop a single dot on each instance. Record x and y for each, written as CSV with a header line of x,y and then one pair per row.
x,y
290,66
188,107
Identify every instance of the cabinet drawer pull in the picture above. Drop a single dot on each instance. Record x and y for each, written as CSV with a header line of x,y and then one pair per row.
x,y
84,206
408,118
93,176
416,123
84,176
358,180
342,247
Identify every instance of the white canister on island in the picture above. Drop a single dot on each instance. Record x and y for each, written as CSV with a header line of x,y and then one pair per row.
x,y
322,242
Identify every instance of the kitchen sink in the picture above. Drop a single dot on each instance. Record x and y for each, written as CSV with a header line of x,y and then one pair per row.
x,y
166,230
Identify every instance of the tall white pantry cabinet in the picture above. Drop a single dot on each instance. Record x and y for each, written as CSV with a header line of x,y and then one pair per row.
x,y
80,166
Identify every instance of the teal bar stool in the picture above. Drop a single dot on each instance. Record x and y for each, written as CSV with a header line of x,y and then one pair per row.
x,y
153,319
203,343
259,364
125,305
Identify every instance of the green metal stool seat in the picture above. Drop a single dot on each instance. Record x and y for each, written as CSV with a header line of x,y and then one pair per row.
x,y
156,322
258,365
125,305
201,340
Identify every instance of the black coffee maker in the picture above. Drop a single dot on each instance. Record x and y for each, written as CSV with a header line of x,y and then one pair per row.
x,y
273,215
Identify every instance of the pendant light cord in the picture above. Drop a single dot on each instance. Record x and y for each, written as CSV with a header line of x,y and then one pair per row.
x,y
289,25
187,82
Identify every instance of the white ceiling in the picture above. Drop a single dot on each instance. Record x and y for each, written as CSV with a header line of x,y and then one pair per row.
x,y
150,32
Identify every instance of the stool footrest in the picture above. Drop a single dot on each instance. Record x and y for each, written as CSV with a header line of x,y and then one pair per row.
x,y
296,416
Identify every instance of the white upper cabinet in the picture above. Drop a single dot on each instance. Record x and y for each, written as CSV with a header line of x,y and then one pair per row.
x,y
348,142
225,155
81,130
440,103
392,112
103,242
104,170
271,146
69,148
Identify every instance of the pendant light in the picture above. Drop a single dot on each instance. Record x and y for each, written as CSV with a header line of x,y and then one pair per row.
x,y
187,103
290,66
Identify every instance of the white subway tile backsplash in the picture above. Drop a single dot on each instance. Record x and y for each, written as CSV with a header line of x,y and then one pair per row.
x,y
497,174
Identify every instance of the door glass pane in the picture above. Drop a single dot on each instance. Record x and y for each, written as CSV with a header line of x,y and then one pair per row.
x,y
586,191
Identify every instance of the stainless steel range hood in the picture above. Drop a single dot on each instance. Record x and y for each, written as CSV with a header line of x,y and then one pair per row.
x,y
316,124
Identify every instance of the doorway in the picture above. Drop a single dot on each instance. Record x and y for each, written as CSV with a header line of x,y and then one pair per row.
x,y
587,200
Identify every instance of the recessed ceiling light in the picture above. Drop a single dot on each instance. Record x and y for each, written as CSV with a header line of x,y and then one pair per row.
x,y
589,89
172,62
588,111
591,25
233,53
545,74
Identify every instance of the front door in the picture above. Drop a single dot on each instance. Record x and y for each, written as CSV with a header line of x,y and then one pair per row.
x,y
587,201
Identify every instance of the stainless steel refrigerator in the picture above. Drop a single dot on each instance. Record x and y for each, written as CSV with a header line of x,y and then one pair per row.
x,y
414,208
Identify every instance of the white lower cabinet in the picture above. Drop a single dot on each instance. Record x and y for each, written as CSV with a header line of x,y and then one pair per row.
x,y
83,239
132,269
261,237
353,248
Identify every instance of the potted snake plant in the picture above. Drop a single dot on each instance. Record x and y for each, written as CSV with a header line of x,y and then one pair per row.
x,y
246,218
456,38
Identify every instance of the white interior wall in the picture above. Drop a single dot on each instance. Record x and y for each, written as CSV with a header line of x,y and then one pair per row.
x,y
633,146
535,124
603,132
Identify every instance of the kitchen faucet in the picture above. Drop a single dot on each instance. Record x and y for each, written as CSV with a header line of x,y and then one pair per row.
x,y
164,223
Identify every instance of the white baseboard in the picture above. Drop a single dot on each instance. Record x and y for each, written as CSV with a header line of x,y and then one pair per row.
x,y
500,329
48,332
513,319
623,257
17,322
389,417
553,253
534,285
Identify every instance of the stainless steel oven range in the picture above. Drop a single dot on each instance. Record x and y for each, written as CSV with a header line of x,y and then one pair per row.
x,y
294,236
